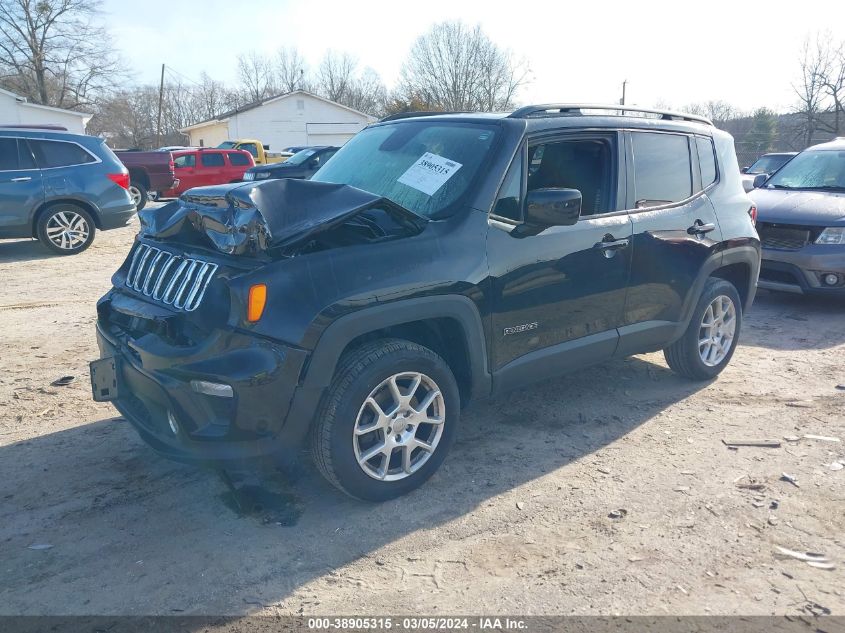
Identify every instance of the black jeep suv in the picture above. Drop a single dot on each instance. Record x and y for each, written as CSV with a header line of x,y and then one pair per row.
x,y
431,261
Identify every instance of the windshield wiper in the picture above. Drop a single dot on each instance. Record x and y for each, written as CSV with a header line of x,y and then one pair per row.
x,y
826,188
778,187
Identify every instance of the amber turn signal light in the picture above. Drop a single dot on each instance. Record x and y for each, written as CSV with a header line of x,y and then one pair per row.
x,y
257,300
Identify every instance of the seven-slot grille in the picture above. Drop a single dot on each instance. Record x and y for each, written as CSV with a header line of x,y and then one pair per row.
x,y
783,237
172,279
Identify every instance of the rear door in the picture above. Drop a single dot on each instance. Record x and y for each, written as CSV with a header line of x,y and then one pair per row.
x,y
559,295
212,168
21,187
675,231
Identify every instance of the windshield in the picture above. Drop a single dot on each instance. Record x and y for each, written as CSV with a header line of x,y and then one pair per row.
x,y
226,145
424,166
821,169
300,157
767,164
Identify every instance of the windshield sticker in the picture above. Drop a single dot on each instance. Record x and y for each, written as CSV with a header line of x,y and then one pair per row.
x,y
429,173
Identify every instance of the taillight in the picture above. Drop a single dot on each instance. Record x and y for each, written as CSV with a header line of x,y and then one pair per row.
x,y
752,213
172,168
121,180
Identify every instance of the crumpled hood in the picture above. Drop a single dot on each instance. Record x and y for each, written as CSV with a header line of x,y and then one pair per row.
x,y
245,218
821,208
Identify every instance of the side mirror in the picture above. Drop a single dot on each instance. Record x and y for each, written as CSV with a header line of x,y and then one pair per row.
x,y
759,180
744,170
553,207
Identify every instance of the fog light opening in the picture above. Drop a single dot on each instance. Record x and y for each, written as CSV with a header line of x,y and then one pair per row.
x,y
830,279
217,389
174,425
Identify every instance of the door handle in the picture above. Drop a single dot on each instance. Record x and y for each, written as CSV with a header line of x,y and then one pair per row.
x,y
700,228
22,179
612,244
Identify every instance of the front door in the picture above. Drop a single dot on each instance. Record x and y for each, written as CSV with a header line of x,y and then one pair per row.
x,y
185,169
21,188
675,231
558,296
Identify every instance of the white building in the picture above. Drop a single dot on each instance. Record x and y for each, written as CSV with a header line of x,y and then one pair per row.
x,y
16,110
295,118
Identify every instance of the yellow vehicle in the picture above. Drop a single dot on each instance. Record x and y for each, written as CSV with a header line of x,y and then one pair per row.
x,y
260,152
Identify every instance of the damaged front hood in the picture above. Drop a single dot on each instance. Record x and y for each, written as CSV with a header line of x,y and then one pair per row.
x,y
246,218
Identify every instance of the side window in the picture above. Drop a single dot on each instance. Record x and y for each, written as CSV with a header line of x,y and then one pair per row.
x,y
706,160
8,154
585,164
509,202
237,159
662,169
212,160
185,160
59,154
252,148
25,158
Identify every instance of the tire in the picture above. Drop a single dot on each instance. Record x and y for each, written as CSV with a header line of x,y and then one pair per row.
x,y
139,194
362,381
690,355
65,229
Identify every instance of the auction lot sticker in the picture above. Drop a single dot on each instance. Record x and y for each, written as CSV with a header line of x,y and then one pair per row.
x,y
429,173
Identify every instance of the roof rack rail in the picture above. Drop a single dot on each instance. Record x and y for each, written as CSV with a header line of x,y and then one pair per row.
x,y
568,109
408,115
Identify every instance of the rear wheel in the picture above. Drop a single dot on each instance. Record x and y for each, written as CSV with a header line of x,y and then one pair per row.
x,y
138,192
66,229
387,420
709,341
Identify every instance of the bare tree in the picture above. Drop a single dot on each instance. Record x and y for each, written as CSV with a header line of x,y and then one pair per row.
x,y
810,87
210,98
257,76
832,69
291,70
335,75
455,67
55,52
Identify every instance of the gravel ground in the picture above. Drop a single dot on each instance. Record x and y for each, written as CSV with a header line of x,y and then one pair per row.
x,y
517,521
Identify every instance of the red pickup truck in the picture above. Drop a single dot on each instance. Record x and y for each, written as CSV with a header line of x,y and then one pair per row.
x,y
198,167
148,172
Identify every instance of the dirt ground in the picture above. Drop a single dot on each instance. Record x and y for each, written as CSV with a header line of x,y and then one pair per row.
x,y
517,521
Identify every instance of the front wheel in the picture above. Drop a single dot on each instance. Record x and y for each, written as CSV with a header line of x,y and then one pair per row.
x,y
387,420
710,339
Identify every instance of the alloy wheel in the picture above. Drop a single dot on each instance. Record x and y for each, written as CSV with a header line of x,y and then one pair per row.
x,y
399,426
68,230
135,194
717,331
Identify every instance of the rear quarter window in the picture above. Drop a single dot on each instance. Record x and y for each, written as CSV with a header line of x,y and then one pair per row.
x,y
51,154
706,160
662,168
238,160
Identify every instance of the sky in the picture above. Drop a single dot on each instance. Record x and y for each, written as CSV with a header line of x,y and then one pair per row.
x,y
671,53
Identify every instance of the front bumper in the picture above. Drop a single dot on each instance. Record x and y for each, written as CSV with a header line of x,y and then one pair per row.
x,y
800,271
155,384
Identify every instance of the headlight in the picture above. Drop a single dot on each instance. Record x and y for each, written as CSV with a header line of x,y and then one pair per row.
x,y
249,175
262,175
832,235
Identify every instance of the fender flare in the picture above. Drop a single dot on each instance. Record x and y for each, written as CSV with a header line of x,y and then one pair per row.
x,y
742,254
341,332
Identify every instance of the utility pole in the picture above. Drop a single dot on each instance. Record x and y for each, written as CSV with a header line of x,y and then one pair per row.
x,y
160,100
624,84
